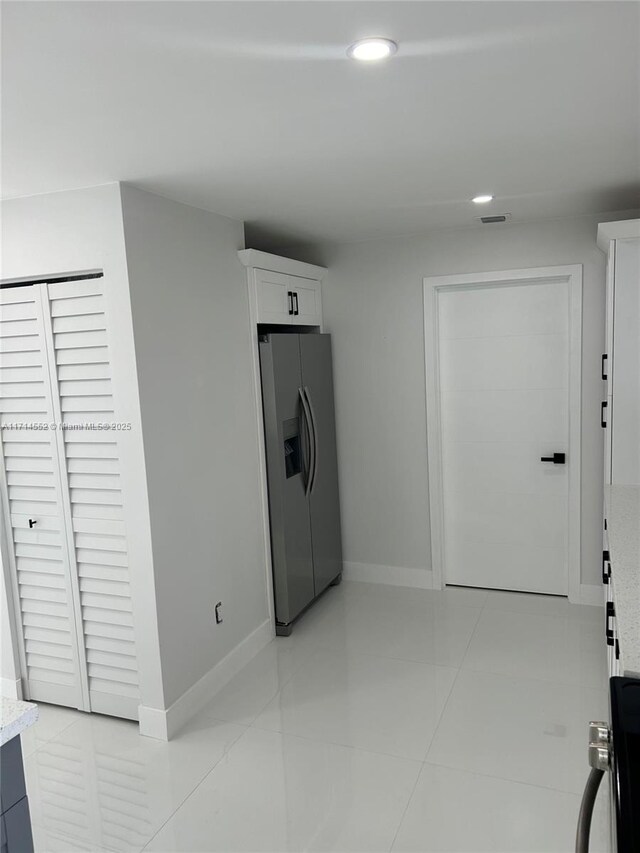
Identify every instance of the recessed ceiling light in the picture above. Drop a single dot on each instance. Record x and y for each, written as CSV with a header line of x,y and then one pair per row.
x,y
369,50
482,199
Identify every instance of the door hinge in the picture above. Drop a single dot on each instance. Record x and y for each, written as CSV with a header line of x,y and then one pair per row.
x,y
610,613
606,572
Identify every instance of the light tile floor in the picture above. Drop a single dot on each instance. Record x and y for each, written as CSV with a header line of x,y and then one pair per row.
x,y
392,719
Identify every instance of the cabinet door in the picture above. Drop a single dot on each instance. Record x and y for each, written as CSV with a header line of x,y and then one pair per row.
x,y
273,290
16,829
607,361
307,301
625,417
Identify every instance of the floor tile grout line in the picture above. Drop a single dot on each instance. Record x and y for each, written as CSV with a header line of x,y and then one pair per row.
x,y
435,731
225,752
325,742
315,646
379,656
503,778
318,646
440,716
453,686
294,670
271,697
193,790
527,677
406,808
55,736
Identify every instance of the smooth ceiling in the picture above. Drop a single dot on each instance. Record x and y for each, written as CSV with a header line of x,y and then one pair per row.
x,y
252,109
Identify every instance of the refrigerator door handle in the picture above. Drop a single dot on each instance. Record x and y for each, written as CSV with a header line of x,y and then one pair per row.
x,y
316,449
310,442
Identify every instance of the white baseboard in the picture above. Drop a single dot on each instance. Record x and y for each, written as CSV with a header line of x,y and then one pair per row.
x,y
153,722
591,594
11,688
392,575
163,724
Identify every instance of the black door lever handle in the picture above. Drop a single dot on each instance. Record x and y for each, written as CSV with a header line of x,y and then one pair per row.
x,y
32,521
557,458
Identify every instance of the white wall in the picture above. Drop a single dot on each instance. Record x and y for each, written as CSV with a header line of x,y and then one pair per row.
x,y
193,347
372,301
73,232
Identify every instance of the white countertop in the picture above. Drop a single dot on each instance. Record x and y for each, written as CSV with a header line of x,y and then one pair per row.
x,y
16,717
623,529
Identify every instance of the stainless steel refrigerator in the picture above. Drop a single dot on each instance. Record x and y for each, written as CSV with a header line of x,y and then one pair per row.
x,y
302,470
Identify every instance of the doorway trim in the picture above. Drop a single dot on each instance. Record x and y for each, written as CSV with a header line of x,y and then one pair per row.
x,y
433,286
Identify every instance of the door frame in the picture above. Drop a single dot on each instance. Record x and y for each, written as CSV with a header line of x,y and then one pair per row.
x,y
433,286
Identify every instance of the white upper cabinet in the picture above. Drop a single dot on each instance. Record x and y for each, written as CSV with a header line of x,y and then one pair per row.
x,y
283,291
621,360
273,297
307,306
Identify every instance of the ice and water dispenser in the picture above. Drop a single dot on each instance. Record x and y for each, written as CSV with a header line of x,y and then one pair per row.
x,y
292,449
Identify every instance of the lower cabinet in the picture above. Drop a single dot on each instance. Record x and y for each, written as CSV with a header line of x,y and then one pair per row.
x,y
16,829
15,821
620,406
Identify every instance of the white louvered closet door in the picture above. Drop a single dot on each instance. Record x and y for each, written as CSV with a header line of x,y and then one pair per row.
x,y
45,591
77,355
91,458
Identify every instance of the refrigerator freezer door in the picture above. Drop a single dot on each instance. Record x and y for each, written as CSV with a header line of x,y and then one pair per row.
x,y
317,377
288,507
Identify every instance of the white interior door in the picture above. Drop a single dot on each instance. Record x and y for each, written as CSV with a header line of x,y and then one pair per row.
x,y
504,402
